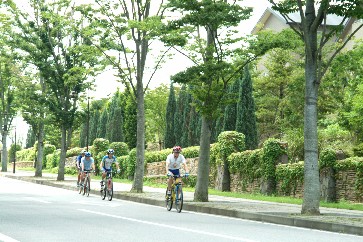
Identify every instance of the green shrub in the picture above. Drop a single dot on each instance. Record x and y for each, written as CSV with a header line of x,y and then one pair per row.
x,y
272,150
131,163
190,152
358,150
295,139
100,145
48,149
11,153
26,154
327,158
290,177
74,152
229,142
52,160
246,164
120,148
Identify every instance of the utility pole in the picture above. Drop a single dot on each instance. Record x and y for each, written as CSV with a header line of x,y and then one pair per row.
x,y
14,152
87,139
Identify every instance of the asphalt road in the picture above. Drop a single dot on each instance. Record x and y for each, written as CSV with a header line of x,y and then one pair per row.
x,y
32,212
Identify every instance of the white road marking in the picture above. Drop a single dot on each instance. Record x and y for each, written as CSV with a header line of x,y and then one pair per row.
x,y
101,204
5,238
168,226
37,200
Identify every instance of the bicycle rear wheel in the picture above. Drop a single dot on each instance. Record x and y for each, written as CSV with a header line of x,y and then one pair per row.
x,y
109,190
168,201
103,192
179,199
88,186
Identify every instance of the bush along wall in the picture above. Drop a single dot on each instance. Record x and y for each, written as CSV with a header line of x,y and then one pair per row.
x,y
272,151
245,170
228,143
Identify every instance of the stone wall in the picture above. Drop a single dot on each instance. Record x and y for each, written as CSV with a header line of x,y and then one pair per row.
x,y
158,168
345,186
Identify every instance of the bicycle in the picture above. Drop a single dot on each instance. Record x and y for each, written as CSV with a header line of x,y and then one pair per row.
x,y
86,187
107,187
176,195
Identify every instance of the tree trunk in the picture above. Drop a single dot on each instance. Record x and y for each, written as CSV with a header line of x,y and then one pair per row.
x,y
137,185
4,153
39,162
311,167
63,155
201,189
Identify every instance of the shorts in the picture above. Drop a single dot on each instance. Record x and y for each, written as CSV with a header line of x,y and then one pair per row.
x,y
176,172
106,170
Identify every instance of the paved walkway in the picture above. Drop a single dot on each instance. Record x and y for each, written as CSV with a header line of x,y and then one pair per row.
x,y
335,220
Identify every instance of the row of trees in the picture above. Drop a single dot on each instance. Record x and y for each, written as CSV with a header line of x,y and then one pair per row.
x,y
63,44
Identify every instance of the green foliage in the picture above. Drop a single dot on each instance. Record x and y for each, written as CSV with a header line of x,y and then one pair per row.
x,y
120,148
295,141
74,152
100,146
246,117
169,140
191,152
272,150
49,149
230,111
229,142
334,136
327,158
290,176
26,154
130,124
11,152
358,150
246,164
131,163
156,101
52,160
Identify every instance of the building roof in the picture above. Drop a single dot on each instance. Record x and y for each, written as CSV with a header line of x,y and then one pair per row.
x,y
331,20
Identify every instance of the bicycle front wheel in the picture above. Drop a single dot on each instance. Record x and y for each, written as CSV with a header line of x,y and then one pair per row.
x,y
110,190
103,192
168,201
179,199
88,186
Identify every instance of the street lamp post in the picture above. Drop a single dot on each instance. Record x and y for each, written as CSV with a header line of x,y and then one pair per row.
x,y
87,138
14,153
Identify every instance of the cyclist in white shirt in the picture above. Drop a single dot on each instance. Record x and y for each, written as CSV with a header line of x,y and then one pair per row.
x,y
173,164
106,164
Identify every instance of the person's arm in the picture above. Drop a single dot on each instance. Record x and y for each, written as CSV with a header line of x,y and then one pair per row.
x,y
167,162
93,165
101,164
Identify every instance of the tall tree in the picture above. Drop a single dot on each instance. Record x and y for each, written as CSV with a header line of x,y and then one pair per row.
x,y
155,110
129,35
169,119
246,120
70,60
210,73
230,111
315,33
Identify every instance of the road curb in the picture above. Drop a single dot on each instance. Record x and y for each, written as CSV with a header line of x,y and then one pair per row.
x,y
204,208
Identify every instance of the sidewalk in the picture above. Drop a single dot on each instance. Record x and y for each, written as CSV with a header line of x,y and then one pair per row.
x,y
334,220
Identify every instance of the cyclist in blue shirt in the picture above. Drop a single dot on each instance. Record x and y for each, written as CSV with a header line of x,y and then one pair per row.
x,y
106,164
87,164
78,165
